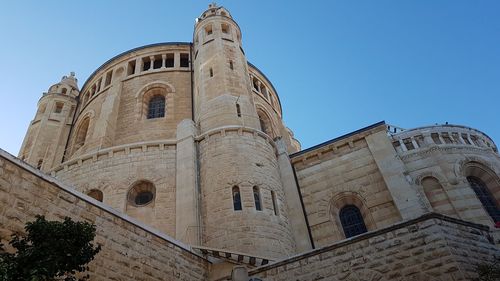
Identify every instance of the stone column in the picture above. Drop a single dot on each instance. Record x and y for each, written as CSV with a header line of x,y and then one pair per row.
x,y
293,202
187,224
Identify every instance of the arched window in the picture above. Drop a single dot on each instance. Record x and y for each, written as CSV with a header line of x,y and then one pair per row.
x,y
236,198
156,107
96,194
81,134
256,198
142,193
437,196
484,195
352,221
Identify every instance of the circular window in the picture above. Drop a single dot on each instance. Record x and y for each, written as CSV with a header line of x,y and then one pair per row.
x,y
142,193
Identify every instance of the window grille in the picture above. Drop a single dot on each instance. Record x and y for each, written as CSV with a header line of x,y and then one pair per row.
x,y
156,108
352,221
236,198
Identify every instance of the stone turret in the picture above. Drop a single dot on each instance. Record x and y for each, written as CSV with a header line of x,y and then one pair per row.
x,y
45,142
243,203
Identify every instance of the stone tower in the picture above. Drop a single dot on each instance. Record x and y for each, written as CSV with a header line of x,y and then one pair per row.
x,y
243,207
45,142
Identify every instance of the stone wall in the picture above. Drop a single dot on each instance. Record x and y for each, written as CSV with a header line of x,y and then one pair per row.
x,y
130,250
244,158
448,154
114,171
431,247
338,174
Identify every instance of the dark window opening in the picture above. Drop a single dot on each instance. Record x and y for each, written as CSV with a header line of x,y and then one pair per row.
x,y
211,72
39,164
484,195
184,60
238,110
435,138
131,68
255,84
157,63
256,198
109,75
146,64
169,60
143,198
142,193
156,107
352,221
236,198
231,65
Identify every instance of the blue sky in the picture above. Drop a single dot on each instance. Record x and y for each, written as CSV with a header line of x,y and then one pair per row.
x,y
337,65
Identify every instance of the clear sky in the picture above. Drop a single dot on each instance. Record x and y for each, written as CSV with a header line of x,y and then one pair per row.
x,y
337,65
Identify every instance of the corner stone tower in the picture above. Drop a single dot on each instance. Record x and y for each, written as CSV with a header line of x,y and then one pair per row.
x,y
238,161
45,142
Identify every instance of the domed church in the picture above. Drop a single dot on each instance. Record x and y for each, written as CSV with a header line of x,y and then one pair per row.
x,y
178,153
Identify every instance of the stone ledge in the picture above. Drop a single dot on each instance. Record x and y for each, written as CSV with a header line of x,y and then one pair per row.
x,y
14,160
365,236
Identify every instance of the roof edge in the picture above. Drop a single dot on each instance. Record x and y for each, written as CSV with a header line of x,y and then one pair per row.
x,y
337,139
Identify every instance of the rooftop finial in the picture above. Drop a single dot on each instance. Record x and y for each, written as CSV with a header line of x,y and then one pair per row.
x,y
212,5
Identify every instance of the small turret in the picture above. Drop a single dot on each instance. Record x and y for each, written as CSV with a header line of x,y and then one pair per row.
x,y
45,141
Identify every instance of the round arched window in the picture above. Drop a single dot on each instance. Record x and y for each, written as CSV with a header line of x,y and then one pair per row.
x,y
142,193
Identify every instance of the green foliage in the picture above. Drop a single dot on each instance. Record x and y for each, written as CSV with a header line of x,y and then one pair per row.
x,y
489,272
50,250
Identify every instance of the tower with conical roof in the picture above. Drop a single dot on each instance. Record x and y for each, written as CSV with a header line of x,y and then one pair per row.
x,y
45,142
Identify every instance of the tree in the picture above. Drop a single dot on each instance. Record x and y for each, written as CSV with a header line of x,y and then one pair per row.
x,y
489,271
50,250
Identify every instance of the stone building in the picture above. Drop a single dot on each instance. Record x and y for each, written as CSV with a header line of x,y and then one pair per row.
x,y
179,154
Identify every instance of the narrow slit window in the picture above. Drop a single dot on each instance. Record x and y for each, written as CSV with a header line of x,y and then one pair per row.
x,y
275,203
211,72
184,60
169,62
256,198
231,66
238,109
236,198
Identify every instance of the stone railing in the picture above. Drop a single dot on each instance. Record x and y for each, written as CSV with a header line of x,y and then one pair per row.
x,y
441,135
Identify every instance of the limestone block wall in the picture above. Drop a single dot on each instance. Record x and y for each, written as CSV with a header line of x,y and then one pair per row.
x,y
245,158
130,250
343,172
432,247
114,171
447,155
